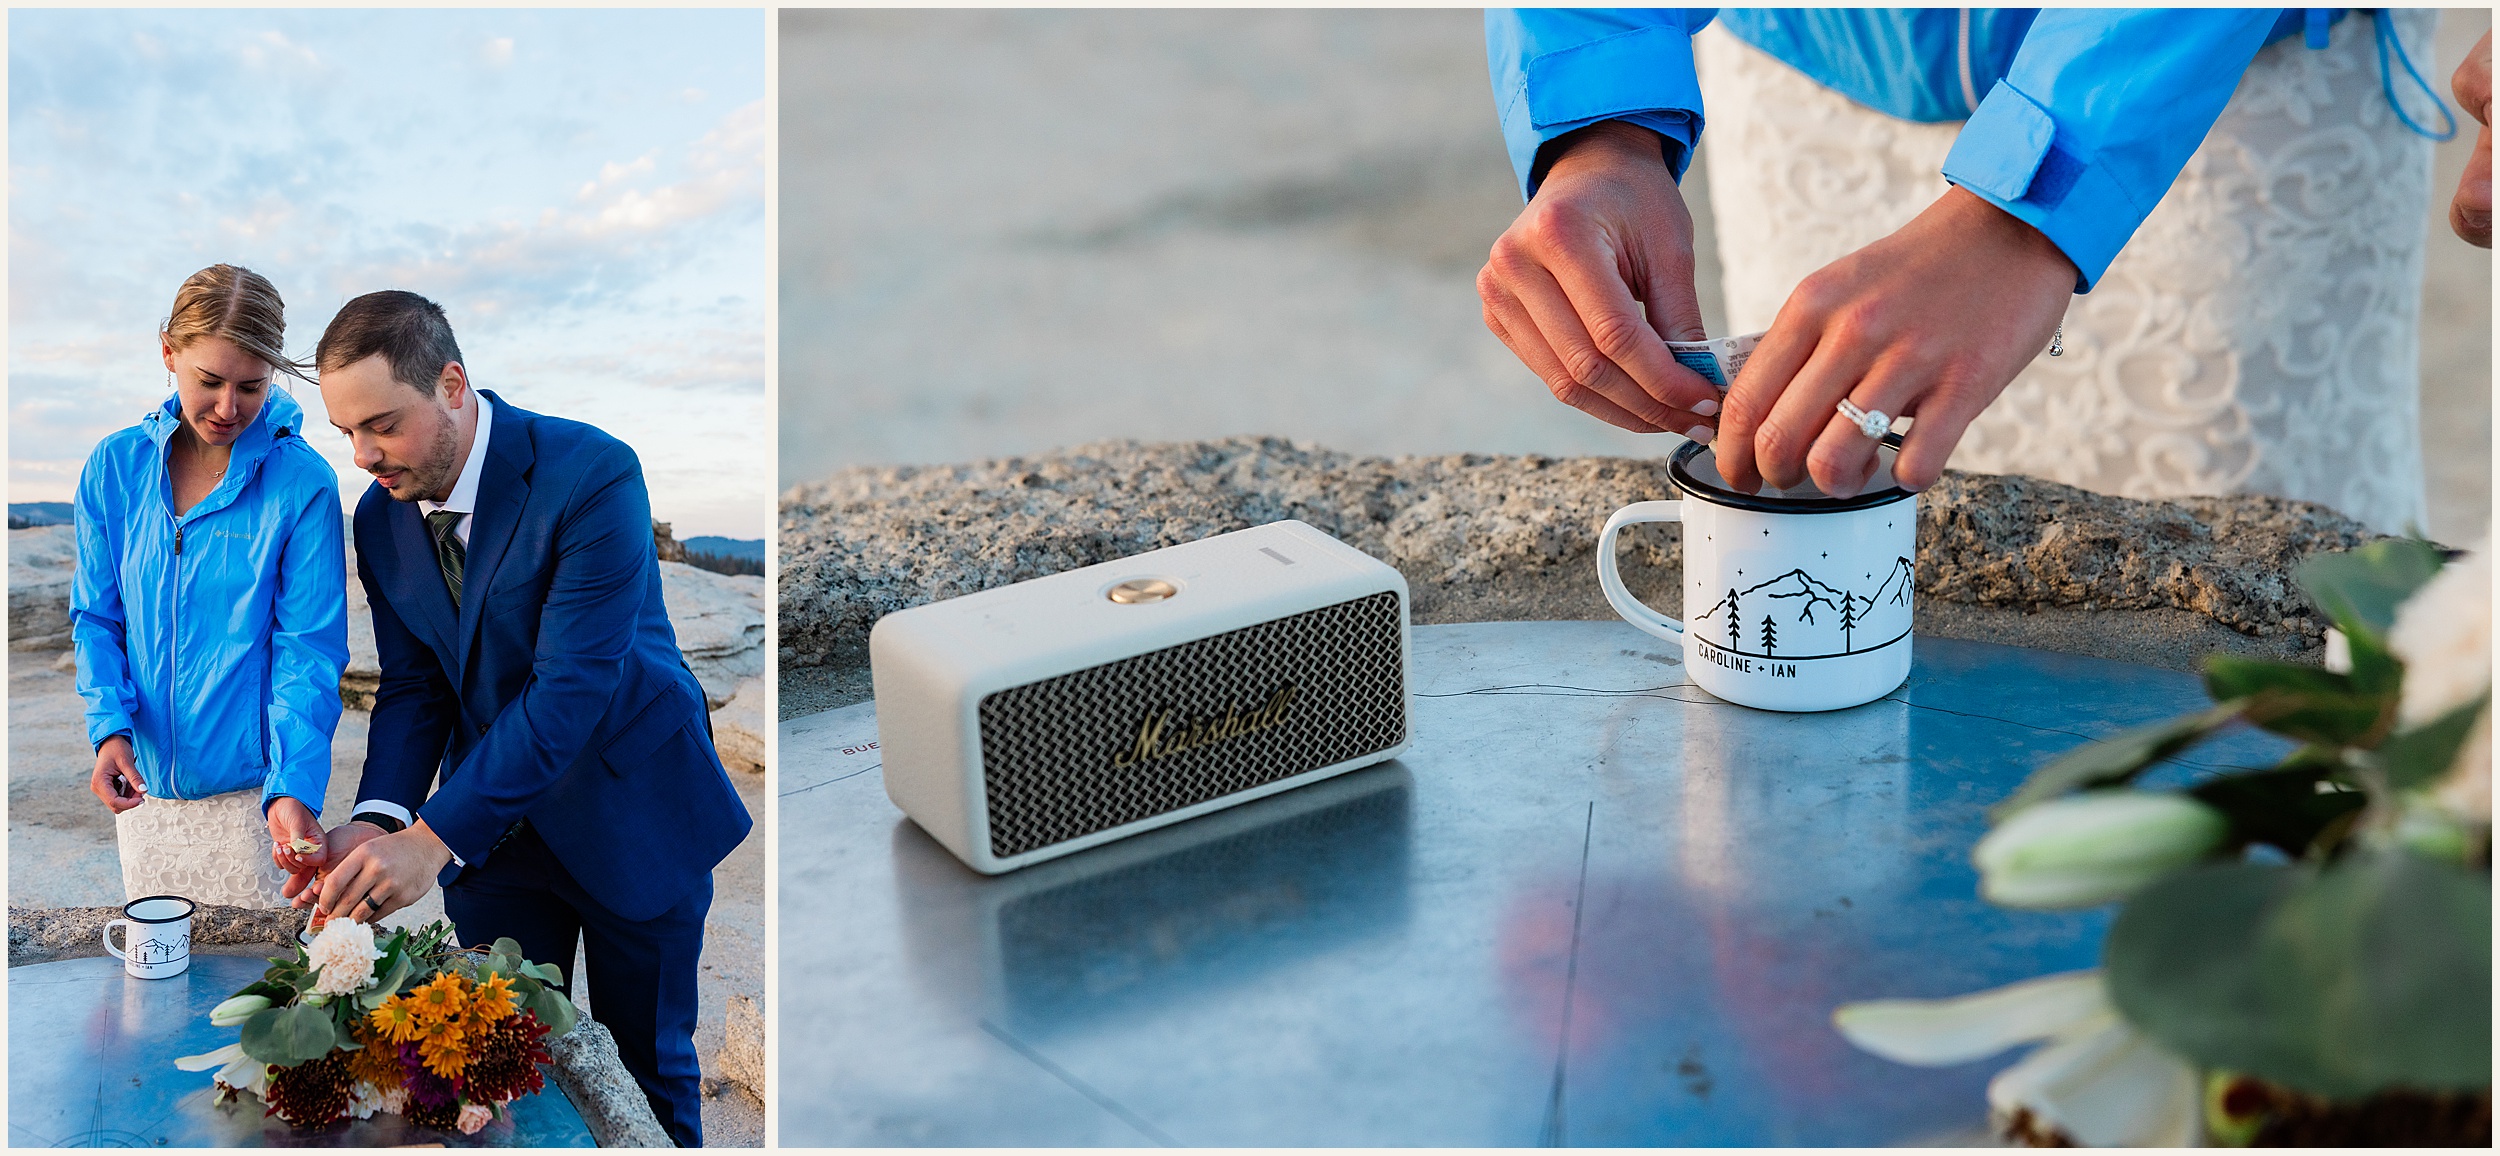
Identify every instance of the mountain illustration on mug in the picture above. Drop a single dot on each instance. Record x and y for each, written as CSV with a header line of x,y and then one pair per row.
x,y
1799,616
154,951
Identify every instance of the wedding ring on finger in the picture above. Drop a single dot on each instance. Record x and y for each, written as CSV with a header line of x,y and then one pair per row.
x,y
1871,422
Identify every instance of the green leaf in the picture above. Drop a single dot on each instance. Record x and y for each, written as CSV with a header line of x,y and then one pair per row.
x,y
289,1035
395,972
543,972
554,1009
2282,808
2360,589
2229,676
2423,755
2372,973
2116,759
2335,720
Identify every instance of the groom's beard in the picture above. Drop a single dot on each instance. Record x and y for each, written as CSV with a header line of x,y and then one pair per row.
x,y
431,477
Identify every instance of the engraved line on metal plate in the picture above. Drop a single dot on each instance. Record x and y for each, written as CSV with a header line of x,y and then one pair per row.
x,y
1273,554
1137,590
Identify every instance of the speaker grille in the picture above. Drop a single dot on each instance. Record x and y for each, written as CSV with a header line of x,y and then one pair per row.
x,y
1050,749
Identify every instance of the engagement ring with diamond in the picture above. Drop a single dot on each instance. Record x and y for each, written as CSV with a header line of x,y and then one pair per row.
x,y
1871,422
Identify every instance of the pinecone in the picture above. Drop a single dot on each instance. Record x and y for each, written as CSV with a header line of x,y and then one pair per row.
x,y
505,1064
310,1094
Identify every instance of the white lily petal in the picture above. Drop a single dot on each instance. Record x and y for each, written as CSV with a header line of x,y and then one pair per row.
x,y
2114,1087
245,1074
1938,1032
216,1059
2060,890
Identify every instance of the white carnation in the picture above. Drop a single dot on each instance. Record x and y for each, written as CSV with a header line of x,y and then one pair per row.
x,y
343,955
2443,635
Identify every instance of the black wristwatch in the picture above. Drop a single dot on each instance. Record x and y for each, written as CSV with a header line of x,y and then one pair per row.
x,y
389,825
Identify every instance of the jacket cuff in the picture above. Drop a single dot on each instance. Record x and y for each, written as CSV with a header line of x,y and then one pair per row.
x,y
468,838
1644,76
2010,155
104,725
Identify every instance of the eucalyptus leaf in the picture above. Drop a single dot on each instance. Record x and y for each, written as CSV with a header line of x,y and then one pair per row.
x,y
289,1035
2116,759
2371,973
2324,718
543,972
387,986
2360,589
2229,676
554,1009
2282,808
2423,755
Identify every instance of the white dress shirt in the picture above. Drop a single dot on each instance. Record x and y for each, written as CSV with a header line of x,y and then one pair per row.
x,y
463,501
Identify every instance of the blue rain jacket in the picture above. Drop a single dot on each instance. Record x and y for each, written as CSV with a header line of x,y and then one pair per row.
x,y
2077,119
214,640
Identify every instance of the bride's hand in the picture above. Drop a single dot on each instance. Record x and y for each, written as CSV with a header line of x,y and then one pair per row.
x,y
116,777
289,821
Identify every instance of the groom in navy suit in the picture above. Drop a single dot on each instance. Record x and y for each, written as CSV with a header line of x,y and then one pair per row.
x,y
537,745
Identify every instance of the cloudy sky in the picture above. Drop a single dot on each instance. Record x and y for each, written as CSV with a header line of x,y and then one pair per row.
x,y
582,191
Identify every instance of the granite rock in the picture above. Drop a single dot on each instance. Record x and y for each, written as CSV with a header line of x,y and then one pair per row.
x,y
42,563
589,1071
363,675
719,619
738,727
867,542
43,934
1483,536
2008,540
740,1064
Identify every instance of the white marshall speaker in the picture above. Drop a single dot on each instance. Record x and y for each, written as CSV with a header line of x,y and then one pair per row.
x,y
1030,721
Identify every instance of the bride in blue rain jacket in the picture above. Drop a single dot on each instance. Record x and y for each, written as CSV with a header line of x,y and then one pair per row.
x,y
210,609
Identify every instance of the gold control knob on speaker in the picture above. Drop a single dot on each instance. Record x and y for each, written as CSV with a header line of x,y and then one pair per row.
x,y
1137,590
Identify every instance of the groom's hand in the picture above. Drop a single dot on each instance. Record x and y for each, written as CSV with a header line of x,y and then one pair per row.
x,y
335,847
385,874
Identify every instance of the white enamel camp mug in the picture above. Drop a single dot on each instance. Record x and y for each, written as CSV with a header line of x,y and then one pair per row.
x,y
157,930
1792,600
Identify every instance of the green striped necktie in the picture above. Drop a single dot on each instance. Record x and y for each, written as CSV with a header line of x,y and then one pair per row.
x,y
448,550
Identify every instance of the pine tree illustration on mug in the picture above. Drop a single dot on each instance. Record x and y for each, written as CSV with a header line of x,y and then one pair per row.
x,y
1811,635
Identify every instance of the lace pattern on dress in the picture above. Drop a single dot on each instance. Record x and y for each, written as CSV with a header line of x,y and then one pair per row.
x,y
2259,334
212,850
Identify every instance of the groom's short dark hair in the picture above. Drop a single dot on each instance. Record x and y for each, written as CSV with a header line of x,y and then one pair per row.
x,y
409,332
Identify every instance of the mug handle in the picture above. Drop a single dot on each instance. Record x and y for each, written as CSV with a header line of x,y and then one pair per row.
x,y
1633,609
116,952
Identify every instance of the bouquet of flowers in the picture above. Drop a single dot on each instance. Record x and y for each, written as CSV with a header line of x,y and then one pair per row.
x,y
2303,954
409,1023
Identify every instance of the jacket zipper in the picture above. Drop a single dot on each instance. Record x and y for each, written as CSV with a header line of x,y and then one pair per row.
x,y
173,669
1961,45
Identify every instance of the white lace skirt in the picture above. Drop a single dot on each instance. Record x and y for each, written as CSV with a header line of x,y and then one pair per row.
x,y
2260,333
212,850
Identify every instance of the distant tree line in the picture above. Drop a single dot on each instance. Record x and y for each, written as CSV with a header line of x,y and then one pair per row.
x,y
724,563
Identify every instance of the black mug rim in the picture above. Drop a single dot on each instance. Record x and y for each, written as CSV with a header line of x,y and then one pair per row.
x,y
189,909
1680,471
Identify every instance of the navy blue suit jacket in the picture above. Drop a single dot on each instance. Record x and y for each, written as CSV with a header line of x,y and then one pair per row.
x,y
555,691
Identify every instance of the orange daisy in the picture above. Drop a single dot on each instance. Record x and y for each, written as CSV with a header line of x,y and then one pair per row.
x,y
395,1020
492,1000
441,999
